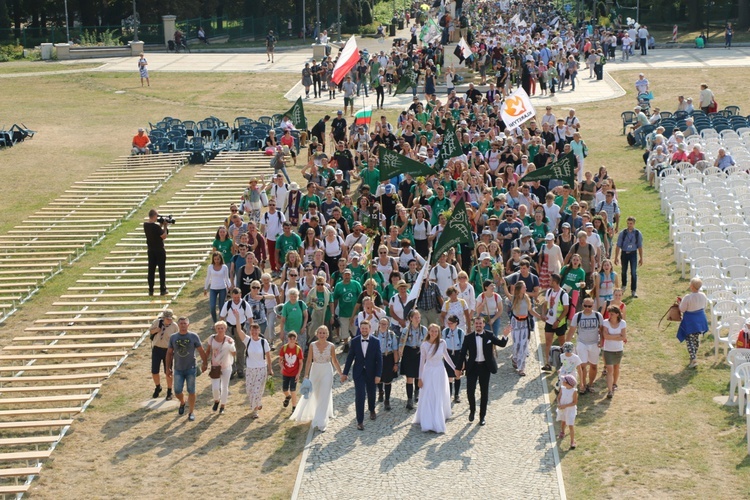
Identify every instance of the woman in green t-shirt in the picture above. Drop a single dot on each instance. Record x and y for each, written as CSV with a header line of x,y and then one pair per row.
x,y
573,280
223,244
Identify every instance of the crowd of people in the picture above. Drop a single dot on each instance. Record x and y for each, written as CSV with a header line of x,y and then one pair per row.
x,y
310,271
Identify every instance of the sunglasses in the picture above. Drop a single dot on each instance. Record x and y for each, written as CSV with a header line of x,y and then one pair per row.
x,y
294,275
588,306
255,288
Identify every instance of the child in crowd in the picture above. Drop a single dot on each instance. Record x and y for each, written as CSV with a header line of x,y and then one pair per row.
x,y
291,359
567,407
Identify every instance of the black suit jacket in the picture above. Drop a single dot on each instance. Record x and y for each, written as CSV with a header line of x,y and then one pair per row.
x,y
469,351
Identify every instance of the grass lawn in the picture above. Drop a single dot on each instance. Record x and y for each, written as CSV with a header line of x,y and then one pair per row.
x,y
40,67
662,435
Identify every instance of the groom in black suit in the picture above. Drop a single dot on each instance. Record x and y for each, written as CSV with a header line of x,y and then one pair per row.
x,y
479,365
364,352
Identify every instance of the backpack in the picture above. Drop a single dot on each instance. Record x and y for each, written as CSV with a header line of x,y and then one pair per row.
x,y
265,217
554,356
631,139
442,22
243,305
263,343
600,206
451,268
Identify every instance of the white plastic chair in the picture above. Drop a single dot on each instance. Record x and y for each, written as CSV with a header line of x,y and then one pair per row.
x,y
731,325
725,253
735,261
713,284
735,272
706,272
743,386
740,285
692,254
735,358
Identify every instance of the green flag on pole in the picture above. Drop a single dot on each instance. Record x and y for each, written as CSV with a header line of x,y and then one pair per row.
x,y
297,115
407,81
392,164
374,75
451,147
563,169
457,230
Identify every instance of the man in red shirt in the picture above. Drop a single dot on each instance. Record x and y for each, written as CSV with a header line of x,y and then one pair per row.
x,y
141,142
290,357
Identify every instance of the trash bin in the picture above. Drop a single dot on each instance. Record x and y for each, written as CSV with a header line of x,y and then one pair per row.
x,y
401,23
392,30
46,50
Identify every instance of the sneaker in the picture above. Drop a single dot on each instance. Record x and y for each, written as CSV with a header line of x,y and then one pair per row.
x,y
513,362
157,391
221,411
456,400
191,417
409,404
216,405
181,411
164,292
286,401
387,405
693,364
293,408
169,395
381,396
610,394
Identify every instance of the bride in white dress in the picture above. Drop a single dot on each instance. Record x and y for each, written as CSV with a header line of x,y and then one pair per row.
x,y
435,400
318,406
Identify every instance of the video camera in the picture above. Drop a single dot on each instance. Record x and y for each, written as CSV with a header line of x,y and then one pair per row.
x,y
166,218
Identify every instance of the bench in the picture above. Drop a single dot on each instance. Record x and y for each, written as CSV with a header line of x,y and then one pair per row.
x,y
58,367
67,398
26,276
15,489
52,388
135,326
105,311
23,471
40,411
58,347
31,424
94,320
93,336
23,441
25,456
112,303
67,355
104,296
54,378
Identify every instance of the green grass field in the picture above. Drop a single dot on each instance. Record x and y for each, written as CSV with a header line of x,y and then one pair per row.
x,y
661,436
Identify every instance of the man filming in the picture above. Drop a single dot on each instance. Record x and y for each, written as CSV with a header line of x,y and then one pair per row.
x,y
156,232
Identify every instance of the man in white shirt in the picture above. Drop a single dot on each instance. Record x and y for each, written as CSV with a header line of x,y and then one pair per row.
x,y
236,313
444,274
279,190
551,211
643,40
356,237
572,125
641,85
272,226
549,118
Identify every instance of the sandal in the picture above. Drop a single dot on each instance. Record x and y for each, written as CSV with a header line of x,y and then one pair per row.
x,y
573,446
522,373
610,394
561,435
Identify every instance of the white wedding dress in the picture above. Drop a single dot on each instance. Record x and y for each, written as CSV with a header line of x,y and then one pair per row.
x,y
434,397
318,408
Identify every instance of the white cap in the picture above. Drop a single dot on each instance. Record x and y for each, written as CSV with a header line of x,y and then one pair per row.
x,y
485,255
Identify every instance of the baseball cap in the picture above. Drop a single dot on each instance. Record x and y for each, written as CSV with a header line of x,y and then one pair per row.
x,y
168,314
485,255
568,347
339,172
589,224
339,112
549,237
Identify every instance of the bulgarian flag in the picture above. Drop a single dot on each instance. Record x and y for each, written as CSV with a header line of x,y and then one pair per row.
x,y
363,116
348,58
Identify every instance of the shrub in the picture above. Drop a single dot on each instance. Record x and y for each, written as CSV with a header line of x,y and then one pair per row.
x,y
11,52
106,38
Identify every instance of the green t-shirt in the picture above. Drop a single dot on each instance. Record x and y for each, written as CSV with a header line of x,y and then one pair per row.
x,y
538,233
496,191
286,244
348,215
225,248
293,316
423,117
483,146
347,296
357,272
305,199
496,212
448,184
438,206
478,276
379,279
572,277
533,150
371,178
559,202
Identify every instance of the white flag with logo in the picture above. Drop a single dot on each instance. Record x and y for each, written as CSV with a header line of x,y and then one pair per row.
x,y
517,109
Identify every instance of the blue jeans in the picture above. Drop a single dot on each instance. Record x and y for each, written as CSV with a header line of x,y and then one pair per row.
x,y
184,376
283,171
630,259
362,83
216,297
641,133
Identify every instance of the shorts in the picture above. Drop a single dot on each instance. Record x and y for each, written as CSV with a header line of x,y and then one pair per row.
x,y
289,383
559,331
589,353
181,377
603,301
348,101
612,358
158,357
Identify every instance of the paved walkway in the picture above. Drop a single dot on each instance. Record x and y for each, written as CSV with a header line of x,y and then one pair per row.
x,y
513,456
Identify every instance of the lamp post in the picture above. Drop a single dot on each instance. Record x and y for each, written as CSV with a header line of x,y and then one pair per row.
x,y
317,21
338,18
67,29
304,26
135,23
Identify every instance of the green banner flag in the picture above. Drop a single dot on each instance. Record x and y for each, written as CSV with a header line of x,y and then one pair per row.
x,y
374,75
457,230
563,169
451,147
392,164
297,115
406,81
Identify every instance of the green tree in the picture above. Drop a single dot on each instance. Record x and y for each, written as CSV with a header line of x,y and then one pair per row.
x,y
4,17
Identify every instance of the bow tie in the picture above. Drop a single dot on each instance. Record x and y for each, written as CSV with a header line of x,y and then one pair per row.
x,y
365,340
478,334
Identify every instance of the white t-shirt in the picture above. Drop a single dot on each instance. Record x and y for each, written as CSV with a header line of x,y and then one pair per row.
x,y
569,364
256,352
553,215
274,224
444,277
614,345
281,193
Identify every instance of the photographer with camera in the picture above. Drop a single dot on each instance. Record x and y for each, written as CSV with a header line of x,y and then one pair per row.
x,y
156,229
161,330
